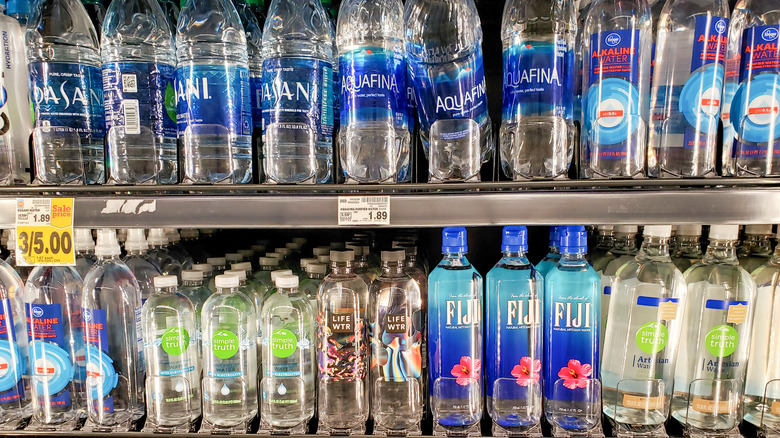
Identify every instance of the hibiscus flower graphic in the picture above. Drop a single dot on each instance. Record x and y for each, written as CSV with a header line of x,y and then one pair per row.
x,y
527,371
576,375
467,371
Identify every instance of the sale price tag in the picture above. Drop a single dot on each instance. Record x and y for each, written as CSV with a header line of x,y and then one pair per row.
x,y
44,232
364,210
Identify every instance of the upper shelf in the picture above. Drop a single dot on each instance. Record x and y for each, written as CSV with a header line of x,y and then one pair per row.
x,y
734,201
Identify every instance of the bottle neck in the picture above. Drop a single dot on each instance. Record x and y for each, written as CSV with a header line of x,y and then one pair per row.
x,y
555,250
287,290
573,257
625,243
760,245
454,259
655,246
342,268
722,251
192,283
165,290
227,290
136,252
315,275
106,258
514,255
605,240
393,269
688,244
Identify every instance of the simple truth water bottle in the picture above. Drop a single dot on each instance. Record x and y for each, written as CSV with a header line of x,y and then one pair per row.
x,y
212,94
537,128
67,88
443,41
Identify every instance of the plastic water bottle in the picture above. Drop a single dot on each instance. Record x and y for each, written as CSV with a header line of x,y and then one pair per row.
x,y
374,132
551,259
15,405
85,250
444,49
617,45
52,299
97,13
537,125
687,88
254,45
212,91
142,264
159,252
605,241
757,248
298,94
177,249
623,251
194,287
171,12
111,314
582,13
515,293
138,87
69,120
688,250
455,338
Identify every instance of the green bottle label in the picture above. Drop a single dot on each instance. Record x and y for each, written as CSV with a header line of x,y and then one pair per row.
x,y
224,344
175,341
652,337
722,341
283,343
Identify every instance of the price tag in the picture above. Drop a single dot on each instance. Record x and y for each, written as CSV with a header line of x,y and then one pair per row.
x,y
44,232
364,210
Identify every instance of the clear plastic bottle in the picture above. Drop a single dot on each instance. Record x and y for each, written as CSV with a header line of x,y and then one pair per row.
x,y
515,293
194,288
138,88
171,11
254,45
177,249
212,91
141,264
687,88
229,359
617,46
343,349
263,275
190,240
583,6
298,95
455,339
288,360
111,312
642,335
374,133
15,407
623,251
97,13
572,292
605,241
713,353
758,245
443,40
66,110
310,286
537,128
551,259
688,250
159,252
360,264
85,250
52,299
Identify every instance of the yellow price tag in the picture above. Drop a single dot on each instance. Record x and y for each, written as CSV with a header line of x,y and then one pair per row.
x,y
44,232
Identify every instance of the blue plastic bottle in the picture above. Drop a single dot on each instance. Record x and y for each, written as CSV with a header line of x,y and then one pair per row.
x,y
572,311
455,339
515,292
551,259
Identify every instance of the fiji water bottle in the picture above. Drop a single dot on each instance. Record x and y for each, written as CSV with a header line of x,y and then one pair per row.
x,y
111,315
515,293
298,95
710,374
551,259
172,361
212,92
141,264
15,396
254,44
443,41
752,91
455,339
537,128
140,102
572,292
687,88
67,88
617,44
642,334
52,299
374,133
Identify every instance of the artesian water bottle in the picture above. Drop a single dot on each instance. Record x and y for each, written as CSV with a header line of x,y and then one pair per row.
x,y
254,45
623,251
572,292
374,133
617,44
757,248
298,94
111,315
455,338
710,373
140,101
52,299
443,41
140,262
172,361
688,250
537,123
67,90
212,91
551,259
642,334
14,395
687,88
85,250
514,297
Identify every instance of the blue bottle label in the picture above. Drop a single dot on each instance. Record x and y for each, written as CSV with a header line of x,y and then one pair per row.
x,y
102,378
12,363
69,95
710,41
216,95
373,86
256,90
50,358
298,92
456,91
536,80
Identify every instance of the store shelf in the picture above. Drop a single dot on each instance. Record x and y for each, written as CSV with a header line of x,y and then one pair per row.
x,y
735,201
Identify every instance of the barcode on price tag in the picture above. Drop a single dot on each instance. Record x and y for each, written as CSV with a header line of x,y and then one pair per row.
x,y
364,210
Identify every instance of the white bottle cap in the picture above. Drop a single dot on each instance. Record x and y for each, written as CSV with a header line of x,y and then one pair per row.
x,y
203,267
758,229
336,245
157,237
258,248
173,235
121,235
283,251
268,261
294,246
189,233
316,268
233,257
320,250
324,259
162,281
275,255
136,240
226,281
305,262
244,266
300,240
658,230
216,261
240,273
606,227
358,249
689,230
627,229
11,243
107,245
247,254
724,232
84,240
287,281
192,275
279,273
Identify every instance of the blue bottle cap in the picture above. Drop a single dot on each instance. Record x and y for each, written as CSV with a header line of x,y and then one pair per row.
x,y
453,240
573,239
555,236
515,239
20,7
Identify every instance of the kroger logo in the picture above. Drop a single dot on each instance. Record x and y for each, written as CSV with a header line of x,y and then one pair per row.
x,y
720,26
613,39
769,34
37,312
87,315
